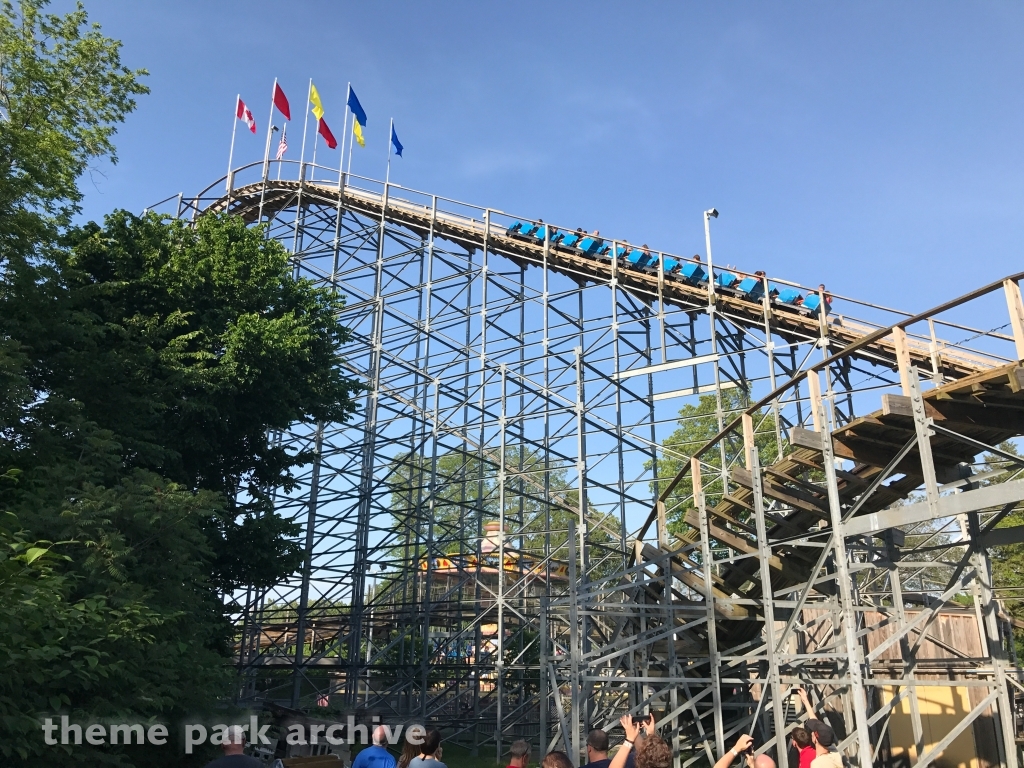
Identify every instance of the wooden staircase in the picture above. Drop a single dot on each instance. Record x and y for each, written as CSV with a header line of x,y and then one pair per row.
x,y
987,407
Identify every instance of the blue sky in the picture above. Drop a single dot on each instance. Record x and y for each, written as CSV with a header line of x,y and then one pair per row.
x,y
874,146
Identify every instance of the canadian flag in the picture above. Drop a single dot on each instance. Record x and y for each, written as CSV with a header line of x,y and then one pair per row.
x,y
242,113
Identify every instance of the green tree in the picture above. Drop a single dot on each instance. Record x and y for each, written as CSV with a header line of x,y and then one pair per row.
x,y
465,494
63,91
697,425
37,614
456,502
142,364
1008,561
198,342
146,390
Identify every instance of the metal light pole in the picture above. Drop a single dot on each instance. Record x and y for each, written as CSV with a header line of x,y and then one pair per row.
x,y
708,215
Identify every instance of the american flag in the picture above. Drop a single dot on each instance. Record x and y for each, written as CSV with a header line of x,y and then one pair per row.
x,y
282,146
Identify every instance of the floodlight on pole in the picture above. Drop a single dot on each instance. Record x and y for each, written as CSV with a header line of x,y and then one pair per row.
x,y
708,215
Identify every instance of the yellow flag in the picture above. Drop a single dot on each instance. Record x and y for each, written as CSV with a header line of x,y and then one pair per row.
x,y
357,131
314,99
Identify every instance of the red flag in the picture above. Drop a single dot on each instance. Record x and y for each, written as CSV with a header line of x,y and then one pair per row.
x,y
281,102
324,131
242,113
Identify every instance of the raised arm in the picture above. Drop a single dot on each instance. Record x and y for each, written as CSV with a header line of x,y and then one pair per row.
x,y
806,702
632,731
743,743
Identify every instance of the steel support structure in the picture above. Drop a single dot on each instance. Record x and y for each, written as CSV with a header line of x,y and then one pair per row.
x,y
525,532
854,566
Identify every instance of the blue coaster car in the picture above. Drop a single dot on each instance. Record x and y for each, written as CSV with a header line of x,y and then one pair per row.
x,y
569,240
639,259
619,252
590,245
726,280
813,302
752,288
693,273
527,229
514,229
541,231
789,296
671,265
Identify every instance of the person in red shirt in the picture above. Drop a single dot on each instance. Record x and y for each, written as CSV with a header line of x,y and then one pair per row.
x,y
801,739
519,754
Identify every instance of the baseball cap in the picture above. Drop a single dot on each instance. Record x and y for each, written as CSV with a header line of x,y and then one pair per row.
x,y
826,736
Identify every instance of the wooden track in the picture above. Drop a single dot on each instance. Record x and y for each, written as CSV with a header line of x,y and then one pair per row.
x,y
790,323
980,401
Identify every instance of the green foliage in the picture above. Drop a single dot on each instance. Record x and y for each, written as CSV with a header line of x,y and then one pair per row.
x,y
1008,561
205,335
698,424
187,346
212,313
146,363
117,622
37,616
142,364
540,501
62,92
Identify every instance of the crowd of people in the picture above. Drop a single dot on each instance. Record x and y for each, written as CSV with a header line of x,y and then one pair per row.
x,y
813,745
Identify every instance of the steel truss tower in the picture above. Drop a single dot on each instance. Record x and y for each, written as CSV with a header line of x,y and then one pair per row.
x,y
506,542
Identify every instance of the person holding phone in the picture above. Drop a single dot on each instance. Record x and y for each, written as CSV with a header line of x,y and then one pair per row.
x,y
745,746
654,753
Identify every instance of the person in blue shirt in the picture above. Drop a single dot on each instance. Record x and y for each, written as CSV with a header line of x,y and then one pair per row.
x,y
234,754
597,749
376,755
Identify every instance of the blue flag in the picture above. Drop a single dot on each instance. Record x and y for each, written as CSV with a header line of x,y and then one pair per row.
x,y
396,142
356,107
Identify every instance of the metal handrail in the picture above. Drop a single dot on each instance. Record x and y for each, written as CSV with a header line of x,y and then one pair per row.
x,y
823,364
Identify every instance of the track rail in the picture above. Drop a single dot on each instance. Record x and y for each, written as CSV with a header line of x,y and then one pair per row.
x,y
271,197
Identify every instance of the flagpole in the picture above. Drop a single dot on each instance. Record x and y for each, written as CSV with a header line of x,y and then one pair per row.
x,y
231,152
266,153
284,138
316,136
270,124
387,173
305,130
348,172
352,140
344,132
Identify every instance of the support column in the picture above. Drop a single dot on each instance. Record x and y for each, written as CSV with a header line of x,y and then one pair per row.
x,y
581,471
499,663
909,662
992,646
428,553
574,652
542,682
1016,308
768,606
854,654
307,567
714,661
